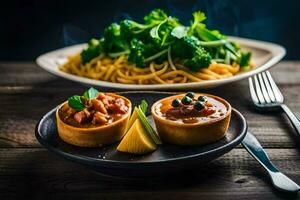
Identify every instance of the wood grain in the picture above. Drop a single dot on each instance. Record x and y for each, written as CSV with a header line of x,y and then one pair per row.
x,y
24,170
29,171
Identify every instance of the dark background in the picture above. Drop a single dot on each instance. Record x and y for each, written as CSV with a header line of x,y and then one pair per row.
x,y
30,28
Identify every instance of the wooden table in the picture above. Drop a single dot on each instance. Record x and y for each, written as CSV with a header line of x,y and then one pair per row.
x,y
29,170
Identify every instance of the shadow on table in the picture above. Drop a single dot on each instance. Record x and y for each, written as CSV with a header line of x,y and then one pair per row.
x,y
267,181
35,173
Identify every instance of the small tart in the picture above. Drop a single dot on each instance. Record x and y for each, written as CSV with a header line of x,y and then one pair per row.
x,y
191,130
94,136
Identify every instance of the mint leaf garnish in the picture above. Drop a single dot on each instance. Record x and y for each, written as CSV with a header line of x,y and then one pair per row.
x,y
76,103
91,93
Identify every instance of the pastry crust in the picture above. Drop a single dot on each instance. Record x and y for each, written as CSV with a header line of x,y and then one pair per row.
x,y
96,136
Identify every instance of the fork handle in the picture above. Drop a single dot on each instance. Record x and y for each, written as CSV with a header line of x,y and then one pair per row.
x,y
293,118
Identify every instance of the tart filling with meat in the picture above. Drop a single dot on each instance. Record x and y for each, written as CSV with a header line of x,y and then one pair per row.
x,y
191,119
93,119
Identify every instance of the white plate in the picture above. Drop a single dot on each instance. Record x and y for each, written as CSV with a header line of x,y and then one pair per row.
x,y
265,55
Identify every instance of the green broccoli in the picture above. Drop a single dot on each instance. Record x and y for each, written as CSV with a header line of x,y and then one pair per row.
x,y
141,53
151,40
131,29
137,50
200,59
113,40
189,49
155,17
93,50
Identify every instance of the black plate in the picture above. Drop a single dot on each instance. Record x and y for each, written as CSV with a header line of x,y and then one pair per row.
x,y
166,159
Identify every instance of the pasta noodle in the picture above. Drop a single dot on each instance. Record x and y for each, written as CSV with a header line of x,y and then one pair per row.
x,y
118,70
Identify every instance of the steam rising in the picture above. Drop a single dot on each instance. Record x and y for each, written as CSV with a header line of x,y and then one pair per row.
x,y
74,35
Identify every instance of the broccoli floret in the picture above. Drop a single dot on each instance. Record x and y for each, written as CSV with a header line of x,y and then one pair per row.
x,y
141,53
200,59
131,28
93,50
189,49
137,50
114,41
185,47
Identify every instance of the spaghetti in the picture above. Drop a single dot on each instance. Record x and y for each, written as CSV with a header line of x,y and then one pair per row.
x,y
119,70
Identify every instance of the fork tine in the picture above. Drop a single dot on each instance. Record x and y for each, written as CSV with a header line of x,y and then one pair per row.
x,y
277,93
258,90
252,91
263,89
268,86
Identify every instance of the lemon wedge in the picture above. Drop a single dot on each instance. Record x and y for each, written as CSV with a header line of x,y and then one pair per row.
x,y
132,119
136,140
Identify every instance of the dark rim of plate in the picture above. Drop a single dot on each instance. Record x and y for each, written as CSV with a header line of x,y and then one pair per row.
x,y
82,158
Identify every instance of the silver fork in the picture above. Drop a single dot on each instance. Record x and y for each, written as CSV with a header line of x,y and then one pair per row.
x,y
266,96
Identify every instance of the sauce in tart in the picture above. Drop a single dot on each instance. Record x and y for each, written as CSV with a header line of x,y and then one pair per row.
x,y
189,113
103,110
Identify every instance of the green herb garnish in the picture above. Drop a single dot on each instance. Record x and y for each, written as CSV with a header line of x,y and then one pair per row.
x,y
81,102
179,32
91,93
76,103
144,106
195,45
149,129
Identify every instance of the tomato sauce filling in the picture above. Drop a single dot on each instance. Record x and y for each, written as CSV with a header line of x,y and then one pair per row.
x,y
188,114
102,110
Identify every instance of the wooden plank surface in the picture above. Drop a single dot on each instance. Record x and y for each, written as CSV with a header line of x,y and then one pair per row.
x,y
34,171
28,170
